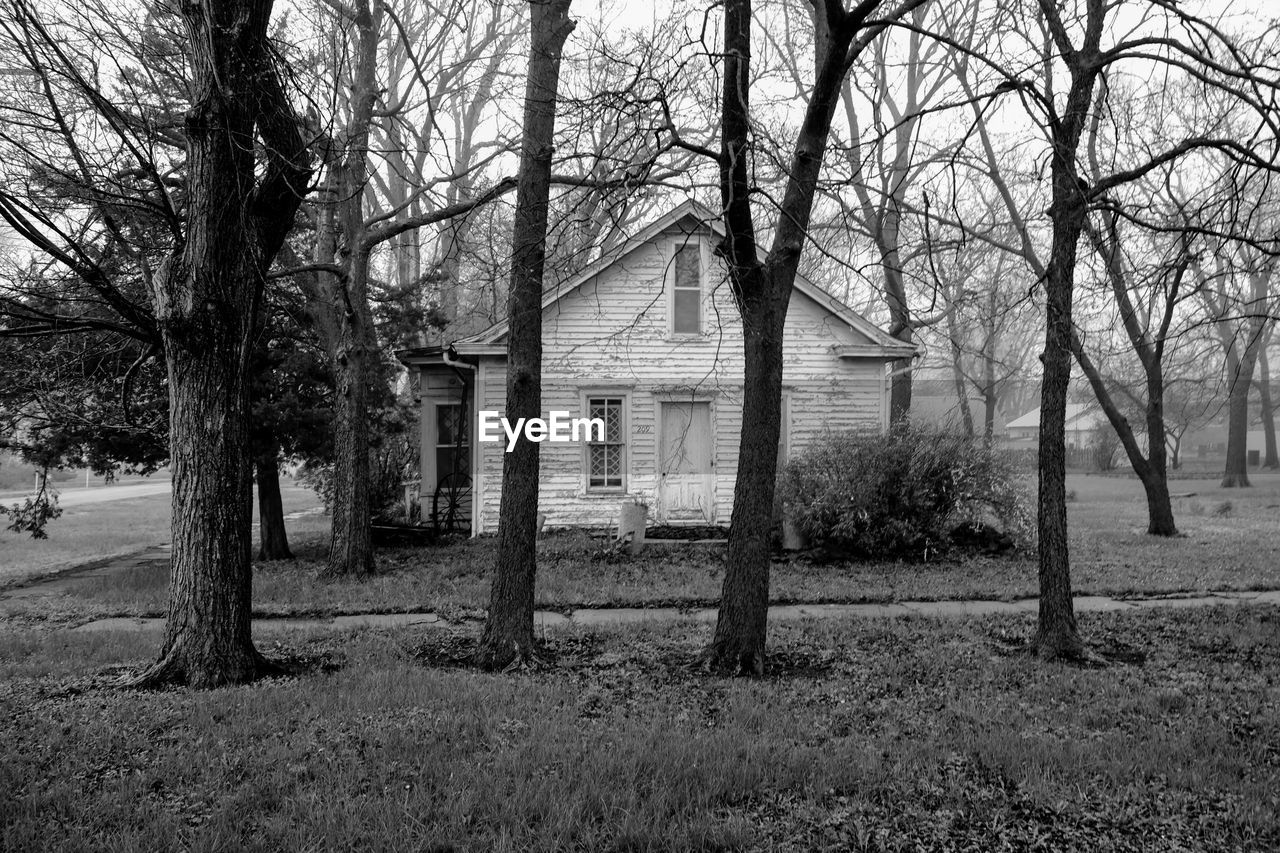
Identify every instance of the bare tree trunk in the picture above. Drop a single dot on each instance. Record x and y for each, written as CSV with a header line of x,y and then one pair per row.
x,y
762,291
206,297
351,539
508,629
1270,457
900,328
739,644
1056,634
345,320
1236,474
273,539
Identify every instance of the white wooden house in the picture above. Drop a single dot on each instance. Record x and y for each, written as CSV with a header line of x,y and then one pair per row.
x,y
649,340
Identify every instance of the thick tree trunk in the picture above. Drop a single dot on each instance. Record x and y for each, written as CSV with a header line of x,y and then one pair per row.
x,y
508,630
1236,473
1056,634
762,292
1270,458
351,537
739,643
206,298
273,539
350,337
207,632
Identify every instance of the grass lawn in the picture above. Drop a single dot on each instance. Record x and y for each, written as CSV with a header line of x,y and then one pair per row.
x,y
94,531
85,534
1224,547
908,734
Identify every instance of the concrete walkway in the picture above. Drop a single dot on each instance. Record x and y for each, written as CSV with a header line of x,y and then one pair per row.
x,y
600,617
603,617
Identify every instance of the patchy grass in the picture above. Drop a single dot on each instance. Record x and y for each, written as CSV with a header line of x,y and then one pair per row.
x,y
884,735
1111,555
88,533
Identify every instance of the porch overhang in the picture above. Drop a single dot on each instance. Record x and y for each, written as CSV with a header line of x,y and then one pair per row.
x,y
877,352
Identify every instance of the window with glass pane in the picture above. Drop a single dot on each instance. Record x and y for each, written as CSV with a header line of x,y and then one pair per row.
x,y
686,302
451,441
606,459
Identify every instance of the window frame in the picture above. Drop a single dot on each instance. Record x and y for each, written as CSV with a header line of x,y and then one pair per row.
x,y
624,429
437,445
698,246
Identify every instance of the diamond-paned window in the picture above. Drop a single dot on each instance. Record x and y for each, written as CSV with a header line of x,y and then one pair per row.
x,y
607,459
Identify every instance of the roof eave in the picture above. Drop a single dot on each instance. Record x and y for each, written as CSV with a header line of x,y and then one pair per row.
x,y
877,352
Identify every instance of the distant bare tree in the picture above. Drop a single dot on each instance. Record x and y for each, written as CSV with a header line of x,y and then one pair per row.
x,y
1056,82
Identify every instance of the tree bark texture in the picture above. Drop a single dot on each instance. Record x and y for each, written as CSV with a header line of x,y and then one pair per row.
x,y
273,538
508,631
206,298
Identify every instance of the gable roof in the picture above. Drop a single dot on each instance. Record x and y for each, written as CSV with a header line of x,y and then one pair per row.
x,y
1079,416
706,218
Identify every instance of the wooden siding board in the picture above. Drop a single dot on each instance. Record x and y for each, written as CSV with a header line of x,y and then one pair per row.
x,y
611,335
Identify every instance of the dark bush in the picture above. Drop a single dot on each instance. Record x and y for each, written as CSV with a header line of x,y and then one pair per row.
x,y
901,494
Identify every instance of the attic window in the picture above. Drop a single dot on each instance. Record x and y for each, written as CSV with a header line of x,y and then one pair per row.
x,y
686,290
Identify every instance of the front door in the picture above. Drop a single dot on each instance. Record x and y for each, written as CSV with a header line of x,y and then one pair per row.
x,y
687,474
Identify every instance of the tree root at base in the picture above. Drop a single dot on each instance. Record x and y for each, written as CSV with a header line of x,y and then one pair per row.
x,y
723,659
173,670
517,657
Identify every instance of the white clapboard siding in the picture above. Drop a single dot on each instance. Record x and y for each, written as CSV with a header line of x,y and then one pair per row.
x,y
610,336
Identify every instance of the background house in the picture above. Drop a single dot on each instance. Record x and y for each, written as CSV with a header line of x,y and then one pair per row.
x,y
648,339
1081,421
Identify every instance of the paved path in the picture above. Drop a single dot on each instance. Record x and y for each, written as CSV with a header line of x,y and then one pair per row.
x,y
69,496
599,617
603,617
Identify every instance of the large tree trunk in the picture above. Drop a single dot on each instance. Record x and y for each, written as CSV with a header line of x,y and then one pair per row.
x,y
739,643
207,633
347,324
1236,473
206,298
762,292
351,537
508,629
273,539
1270,457
1056,634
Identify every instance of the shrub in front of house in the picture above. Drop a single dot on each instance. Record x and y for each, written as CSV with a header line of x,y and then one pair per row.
x,y
915,491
